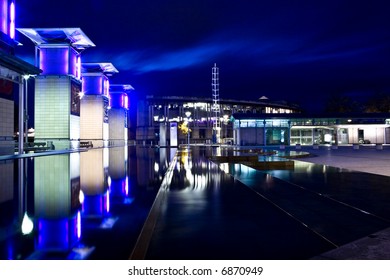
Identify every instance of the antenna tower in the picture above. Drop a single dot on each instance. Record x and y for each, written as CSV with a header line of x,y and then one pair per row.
x,y
216,106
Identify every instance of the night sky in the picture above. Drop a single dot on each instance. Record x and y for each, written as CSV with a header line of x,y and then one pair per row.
x,y
297,51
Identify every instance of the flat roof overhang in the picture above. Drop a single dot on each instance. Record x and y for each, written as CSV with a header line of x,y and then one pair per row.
x,y
121,88
49,36
106,68
18,65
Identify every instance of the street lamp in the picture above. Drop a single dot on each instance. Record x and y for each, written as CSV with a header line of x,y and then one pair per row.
x,y
188,114
26,117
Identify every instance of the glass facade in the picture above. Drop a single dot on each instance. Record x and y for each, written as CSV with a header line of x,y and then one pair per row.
x,y
311,131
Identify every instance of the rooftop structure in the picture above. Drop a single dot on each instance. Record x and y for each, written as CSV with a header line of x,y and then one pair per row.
x,y
57,36
107,68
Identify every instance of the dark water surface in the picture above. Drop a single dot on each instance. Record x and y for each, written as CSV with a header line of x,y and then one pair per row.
x,y
94,204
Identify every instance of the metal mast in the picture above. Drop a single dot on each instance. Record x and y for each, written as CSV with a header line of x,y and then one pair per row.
x,y
216,107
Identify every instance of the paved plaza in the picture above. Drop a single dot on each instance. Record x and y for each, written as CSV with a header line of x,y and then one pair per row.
x,y
365,159
368,159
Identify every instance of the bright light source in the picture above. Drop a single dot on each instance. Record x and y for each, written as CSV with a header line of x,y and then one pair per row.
x,y
27,224
12,21
327,138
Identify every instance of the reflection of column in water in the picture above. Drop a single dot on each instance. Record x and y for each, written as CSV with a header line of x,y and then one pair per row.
x,y
56,202
145,166
94,182
117,172
7,180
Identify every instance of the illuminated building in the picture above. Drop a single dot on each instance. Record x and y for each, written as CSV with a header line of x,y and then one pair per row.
x,y
57,89
156,115
12,71
94,107
280,129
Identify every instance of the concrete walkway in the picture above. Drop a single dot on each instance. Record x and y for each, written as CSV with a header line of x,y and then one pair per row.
x,y
365,159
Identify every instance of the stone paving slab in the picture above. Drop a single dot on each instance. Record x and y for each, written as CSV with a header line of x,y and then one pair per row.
x,y
365,159
372,247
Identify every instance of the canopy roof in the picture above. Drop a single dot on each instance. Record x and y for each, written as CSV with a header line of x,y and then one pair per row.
x,y
99,67
120,88
52,36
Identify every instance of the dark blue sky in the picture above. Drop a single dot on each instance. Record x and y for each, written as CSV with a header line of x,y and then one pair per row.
x,y
299,51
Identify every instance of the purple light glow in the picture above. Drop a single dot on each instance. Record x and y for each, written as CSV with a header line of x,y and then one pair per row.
x,y
73,64
124,101
53,234
4,16
66,62
100,85
106,87
78,67
108,201
78,224
127,186
54,61
12,21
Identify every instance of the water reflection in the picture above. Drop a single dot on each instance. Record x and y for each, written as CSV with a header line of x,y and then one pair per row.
x,y
118,179
53,207
94,183
56,205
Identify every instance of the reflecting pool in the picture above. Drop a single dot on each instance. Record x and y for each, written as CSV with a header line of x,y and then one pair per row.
x,y
82,205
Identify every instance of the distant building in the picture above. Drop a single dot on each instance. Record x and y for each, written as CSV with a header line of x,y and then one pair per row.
x,y
155,111
338,129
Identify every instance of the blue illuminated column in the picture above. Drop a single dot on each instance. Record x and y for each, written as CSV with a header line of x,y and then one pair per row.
x,y
118,114
94,127
58,88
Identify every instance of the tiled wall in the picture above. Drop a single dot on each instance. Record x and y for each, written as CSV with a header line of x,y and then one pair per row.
x,y
117,124
91,117
52,107
6,118
6,127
